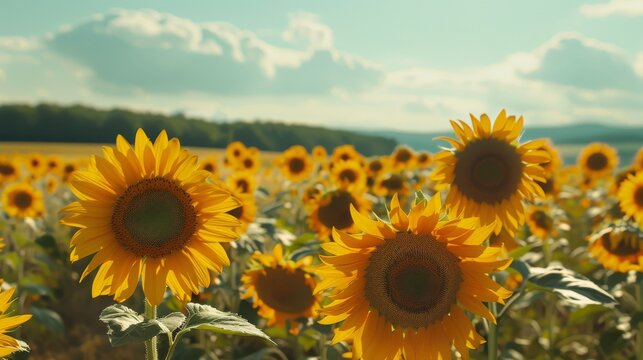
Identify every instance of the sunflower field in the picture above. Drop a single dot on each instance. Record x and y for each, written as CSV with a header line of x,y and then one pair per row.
x,y
492,248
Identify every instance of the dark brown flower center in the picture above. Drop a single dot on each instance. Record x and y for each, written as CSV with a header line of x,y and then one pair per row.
x,y
335,212
348,175
248,163
296,165
622,244
208,167
403,156
375,166
542,220
22,199
7,169
638,196
488,170
285,291
154,217
412,280
597,161
393,183
243,185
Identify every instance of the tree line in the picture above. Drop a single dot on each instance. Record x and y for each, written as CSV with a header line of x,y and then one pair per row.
x,y
82,124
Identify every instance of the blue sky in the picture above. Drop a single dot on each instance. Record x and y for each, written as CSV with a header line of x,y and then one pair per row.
x,y
403,65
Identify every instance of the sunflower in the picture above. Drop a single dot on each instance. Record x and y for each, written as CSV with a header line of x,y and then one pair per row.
x,y
597,160
247,212
630,196
281,288
242,182
621,176
210,165
402,158
52,184
22,200
349,175
332,210
312,193
401,289
554,163
377,166
250,161
68,170
233,152
391,184
146,211
540,221
423,159
345,153
9,345
637,162
319,153
295,163
9,169
618,247
54,164
490,172
36,164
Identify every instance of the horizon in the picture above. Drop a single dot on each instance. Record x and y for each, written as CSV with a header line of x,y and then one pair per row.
x,y
307,63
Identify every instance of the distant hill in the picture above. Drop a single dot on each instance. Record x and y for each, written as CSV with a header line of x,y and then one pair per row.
x,y
81,124
570,138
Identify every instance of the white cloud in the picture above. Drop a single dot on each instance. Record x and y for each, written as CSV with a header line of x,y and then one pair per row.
x,y
18,43
307,28
146,60
629,8
159,52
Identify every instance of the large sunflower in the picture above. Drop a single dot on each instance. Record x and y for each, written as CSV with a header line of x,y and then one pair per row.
x,y
401,288
21,200
242,182
295,163
349,175
146,211
540,221
489,172
9,169
36,164
281,288
332,210
9,345
403,158
597,160
630,195
618,247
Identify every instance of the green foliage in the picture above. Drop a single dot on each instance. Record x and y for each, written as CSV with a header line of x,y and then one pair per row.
x,y
205,317
571,287
79,124
125,325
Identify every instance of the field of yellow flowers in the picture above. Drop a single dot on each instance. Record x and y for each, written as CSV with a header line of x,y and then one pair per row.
x,y
489,249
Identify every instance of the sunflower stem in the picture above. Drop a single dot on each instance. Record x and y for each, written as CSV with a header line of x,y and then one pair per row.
x,y
639,330
151,352
492,335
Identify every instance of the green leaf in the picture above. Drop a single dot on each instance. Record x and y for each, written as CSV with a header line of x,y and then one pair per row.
x,y
517,253
571,287
48,243
612,341
48,318
204,317
125,325
586,315
173,320
419,197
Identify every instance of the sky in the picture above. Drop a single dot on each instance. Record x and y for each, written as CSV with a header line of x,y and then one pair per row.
x,y
405,65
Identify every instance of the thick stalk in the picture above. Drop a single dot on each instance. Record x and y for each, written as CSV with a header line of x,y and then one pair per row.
x,y
151,351
639,331
492,334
